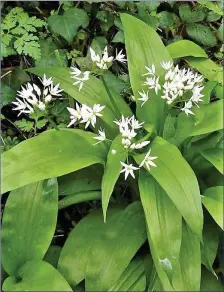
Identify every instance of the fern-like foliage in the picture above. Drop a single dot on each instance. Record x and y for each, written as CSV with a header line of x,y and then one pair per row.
x,y
18,34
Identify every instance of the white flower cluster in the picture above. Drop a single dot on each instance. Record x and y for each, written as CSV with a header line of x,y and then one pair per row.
x,y
85,114
32,96
103,63
127,128
177,83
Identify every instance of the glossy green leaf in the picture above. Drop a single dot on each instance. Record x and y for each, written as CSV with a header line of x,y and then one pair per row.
x,y
208,118
185,48
66,25
112,171
164,222
93,92
202,64
36,276
75,252
209,282
51,154
86,179
191,15
114,247
209,246
144,48
207,91
178,180
215,156
29,223
188,277
213,201
79,198
133,278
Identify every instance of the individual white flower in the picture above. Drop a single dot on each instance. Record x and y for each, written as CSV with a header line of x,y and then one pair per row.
x,y
196,97
148,160
151,71
128,169
135,124
121,57
166,65
101,136
26,91
48,98
79,76
144,97
187,107
106,57
55,90
46,81
22,107
41,106
126,142
139,145
97,109
95,57
153,83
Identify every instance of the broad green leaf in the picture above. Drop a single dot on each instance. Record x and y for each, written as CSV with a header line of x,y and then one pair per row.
x,y
52,255
86,179
115,83
112,171
153,282
209,282
114,247
93,92
164,222
144,48
36,276
207,91
51,154
178,180
66,25
201,34
209,247
75,252
189,275
213,201
27,234
185,48
189,15
214,73
212,16
133,277
208,118
79,198
215,156
216,7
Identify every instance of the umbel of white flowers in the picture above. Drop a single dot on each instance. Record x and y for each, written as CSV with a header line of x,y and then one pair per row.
x,y
177,83
31,96
103,63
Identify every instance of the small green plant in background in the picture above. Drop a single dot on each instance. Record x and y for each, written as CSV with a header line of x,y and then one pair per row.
x,y
116,183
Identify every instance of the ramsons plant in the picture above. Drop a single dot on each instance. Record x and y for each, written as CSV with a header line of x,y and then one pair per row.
x,y
164,152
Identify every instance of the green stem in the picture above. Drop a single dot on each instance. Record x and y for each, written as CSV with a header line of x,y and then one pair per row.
x,y
111,97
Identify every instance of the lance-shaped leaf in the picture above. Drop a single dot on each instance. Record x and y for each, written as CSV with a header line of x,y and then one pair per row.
x,y
144,48
36,276
112,170
51,154
133,278
29,223
114,247
213,201
93,92
209,246
208,118
209,282
178,180
164,222
185,48
188,277
215,156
